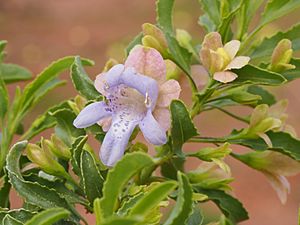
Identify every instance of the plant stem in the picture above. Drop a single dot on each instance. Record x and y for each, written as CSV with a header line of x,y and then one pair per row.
x,y
231,114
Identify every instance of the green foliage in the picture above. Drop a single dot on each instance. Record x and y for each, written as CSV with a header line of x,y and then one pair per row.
x,y
48,217
54,176
182,126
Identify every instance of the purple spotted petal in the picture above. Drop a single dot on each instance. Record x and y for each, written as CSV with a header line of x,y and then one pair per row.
x,y
91,114
152,131
116,140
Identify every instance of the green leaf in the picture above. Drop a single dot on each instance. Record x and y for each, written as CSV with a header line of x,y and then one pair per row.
x,y
254,75
12,73
76,150
294,73
122,221
278,8
184,202
4,193
3,44
212,17
164,18
137,40
266,97
152,198
266,47
182,126
117,177
43,122
82,82
230,206
21,215
178,54
91,178
9,220
48,217
196,218
65,128
51,72
32,192
281,142
3,99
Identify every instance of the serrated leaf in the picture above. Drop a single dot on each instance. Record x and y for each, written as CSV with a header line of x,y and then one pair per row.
x,y
48,217
266,97
21,215
281,142
230,206
9,220
267,46
3,99
184,202
76,150
278,8
294,73
211,19
31,191
136,40
12,73
182,126
117,177
164,9
82,82
152,198
91,177
255,75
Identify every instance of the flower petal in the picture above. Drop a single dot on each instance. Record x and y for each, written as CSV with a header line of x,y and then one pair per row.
x,y
200,75
168,91
111,76
232,48
225,76
147,61
152,131
91,114
205,57
163,117
280,184
105,123
116,140
212,41
238,62
217,62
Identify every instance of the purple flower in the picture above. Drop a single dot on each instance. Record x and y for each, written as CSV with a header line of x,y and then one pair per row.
x,y
137,94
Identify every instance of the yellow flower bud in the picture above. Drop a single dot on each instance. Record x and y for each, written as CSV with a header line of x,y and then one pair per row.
x,y
59,148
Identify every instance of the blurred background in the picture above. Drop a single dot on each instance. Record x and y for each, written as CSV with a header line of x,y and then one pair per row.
x,y
39,32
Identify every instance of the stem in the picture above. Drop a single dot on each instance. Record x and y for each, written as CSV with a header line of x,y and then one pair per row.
x,y
231,114
208,140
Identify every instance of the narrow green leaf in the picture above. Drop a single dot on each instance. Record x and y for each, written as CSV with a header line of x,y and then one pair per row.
x,y
137,40
82,82
91,178
12,73
164,18
196,218
76,150
266,97
9,220
266,47
182,126
281,142
3,99
117,178
122,221
278,8
254,75
49,216
97,211
151,199
230,206
184,202
3,44
4,193
43,122
212,17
